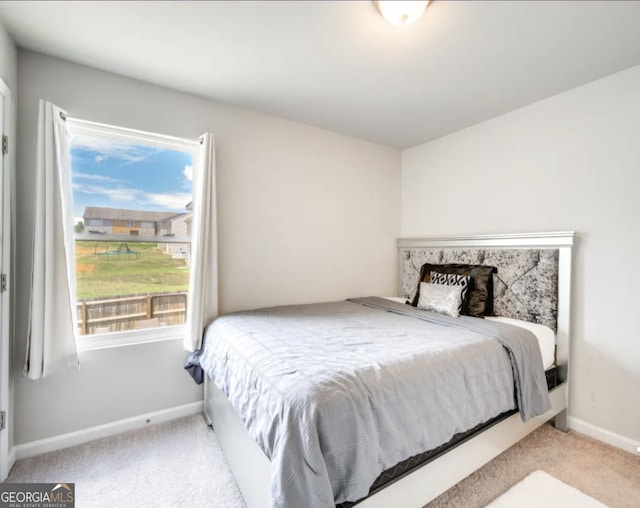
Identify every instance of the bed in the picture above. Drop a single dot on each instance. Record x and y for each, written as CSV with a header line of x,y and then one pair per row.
x,y
532,284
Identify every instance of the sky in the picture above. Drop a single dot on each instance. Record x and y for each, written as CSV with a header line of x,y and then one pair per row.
x,y
118,174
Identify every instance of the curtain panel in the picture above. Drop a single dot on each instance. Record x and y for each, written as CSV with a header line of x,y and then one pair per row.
x,y
203,283
52,314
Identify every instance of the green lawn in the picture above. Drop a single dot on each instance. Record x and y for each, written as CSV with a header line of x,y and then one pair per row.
x,y
116,275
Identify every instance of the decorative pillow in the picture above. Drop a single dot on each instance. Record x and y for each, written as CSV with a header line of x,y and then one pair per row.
x,y
479,299
440,298
451,279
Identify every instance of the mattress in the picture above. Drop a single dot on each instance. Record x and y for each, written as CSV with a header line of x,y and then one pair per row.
x,y
545,335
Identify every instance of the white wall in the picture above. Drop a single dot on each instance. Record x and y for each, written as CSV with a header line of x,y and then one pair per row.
x,y
9,74
304,215
8,59
571,162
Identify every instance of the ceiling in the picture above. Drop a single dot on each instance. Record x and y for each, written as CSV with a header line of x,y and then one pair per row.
x,y
337,64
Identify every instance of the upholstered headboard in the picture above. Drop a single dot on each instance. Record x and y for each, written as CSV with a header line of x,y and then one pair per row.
x,y
525,287
533,282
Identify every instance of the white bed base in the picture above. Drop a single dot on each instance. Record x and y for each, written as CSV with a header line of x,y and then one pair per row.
x,y
251,467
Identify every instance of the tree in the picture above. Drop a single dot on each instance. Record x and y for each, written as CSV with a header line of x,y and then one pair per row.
x,y
79,227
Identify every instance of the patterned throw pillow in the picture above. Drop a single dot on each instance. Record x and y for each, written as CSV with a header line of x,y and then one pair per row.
x,y
479,301
440,298
452,279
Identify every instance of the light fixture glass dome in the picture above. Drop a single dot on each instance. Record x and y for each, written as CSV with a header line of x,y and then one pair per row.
x,y
398,12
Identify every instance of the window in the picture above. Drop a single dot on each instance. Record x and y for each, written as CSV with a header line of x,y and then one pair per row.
x,y
132,198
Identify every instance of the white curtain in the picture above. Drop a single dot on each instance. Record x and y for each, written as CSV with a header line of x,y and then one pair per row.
x,y
203,283
53,319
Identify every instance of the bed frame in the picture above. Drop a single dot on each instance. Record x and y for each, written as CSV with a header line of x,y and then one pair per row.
x,y
251,467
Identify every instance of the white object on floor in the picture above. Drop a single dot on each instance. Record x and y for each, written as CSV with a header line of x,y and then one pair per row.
x,y
540,489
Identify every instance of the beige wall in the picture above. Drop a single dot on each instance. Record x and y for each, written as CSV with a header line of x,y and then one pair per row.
x,y
571,162
305,215
8,59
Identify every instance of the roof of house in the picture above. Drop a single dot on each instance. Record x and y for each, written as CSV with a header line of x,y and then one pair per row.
x,y
96,212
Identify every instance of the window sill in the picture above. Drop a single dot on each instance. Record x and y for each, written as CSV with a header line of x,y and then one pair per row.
x,y
130,338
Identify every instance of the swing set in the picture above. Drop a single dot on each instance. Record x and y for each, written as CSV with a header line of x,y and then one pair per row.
x,y
119,253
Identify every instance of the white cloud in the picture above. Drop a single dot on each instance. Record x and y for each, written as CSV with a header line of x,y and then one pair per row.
x,y
174,201
121,195
100,158
96,178
188,173
120,150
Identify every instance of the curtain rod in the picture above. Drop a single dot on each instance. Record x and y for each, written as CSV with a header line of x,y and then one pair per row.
x,y
88,123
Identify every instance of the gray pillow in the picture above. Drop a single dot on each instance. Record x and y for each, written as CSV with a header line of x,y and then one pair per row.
x,y
452,279
440,298
479,300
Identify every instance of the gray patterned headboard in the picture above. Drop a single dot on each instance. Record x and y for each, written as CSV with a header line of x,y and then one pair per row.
x,y
533,282
525,287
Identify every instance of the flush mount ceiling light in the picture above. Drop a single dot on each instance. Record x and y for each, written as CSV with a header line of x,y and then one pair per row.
x,y
399,12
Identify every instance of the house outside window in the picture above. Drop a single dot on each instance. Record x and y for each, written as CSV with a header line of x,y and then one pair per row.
x,y
133,195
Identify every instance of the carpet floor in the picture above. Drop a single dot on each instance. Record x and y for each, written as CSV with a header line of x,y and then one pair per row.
x,y
180,463
607,474
173,464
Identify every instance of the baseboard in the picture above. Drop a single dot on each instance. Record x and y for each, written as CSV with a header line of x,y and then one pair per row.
x,y
51,444
606,436
11,459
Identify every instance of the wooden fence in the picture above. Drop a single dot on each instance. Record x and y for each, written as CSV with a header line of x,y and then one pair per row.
x,y
131,312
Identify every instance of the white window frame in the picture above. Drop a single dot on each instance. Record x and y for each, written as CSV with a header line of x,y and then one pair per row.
x,y
146,335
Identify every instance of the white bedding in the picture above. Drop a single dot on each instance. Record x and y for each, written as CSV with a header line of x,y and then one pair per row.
x,y
544,334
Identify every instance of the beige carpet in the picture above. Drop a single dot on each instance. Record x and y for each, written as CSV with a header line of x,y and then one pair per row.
x,y
173,464
180,464
607,474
